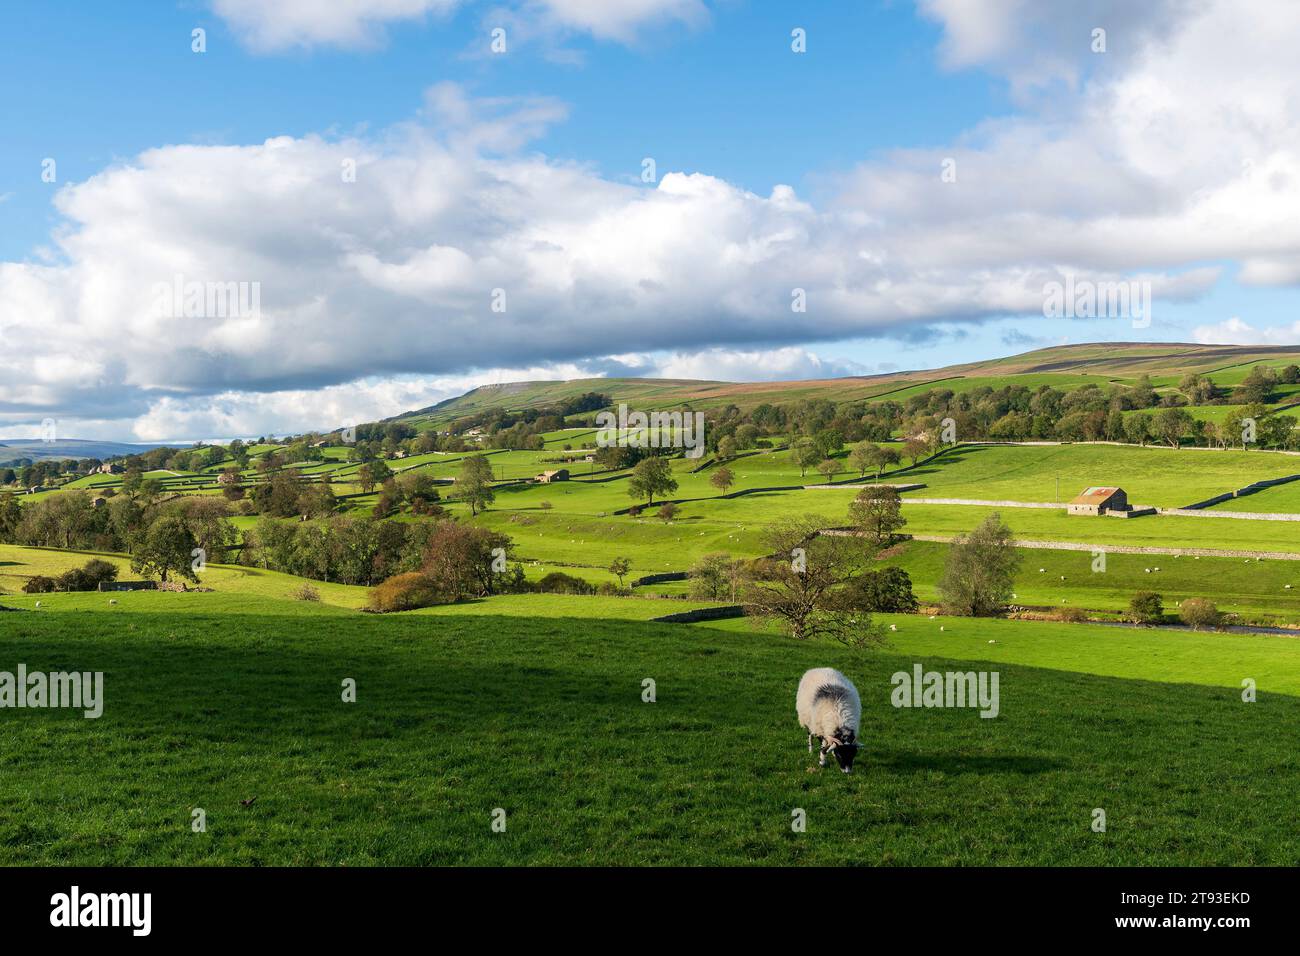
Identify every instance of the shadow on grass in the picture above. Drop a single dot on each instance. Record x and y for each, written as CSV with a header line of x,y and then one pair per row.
x,y
913,761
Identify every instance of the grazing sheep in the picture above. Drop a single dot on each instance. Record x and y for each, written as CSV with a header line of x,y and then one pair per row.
x,y
829,708
112,601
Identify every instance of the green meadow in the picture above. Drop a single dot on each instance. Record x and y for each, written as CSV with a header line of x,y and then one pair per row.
x,y
233,706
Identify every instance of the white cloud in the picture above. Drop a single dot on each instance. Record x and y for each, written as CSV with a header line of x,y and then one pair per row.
x,y
771,365
283,24
1236,332
269,26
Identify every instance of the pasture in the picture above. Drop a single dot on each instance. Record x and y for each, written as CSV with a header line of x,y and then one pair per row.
x,y
233,705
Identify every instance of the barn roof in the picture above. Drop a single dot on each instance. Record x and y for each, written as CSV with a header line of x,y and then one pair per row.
x,y
1095,496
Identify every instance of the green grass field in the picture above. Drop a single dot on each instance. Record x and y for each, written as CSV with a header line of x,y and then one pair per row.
x,y
212,699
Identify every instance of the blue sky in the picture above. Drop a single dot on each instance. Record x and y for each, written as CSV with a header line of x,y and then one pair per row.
x,y
163,168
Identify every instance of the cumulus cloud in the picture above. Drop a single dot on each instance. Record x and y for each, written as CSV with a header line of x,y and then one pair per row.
x,y
1234,331
453,247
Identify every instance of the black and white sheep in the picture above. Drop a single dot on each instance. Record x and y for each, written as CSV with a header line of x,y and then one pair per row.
x,y
829,709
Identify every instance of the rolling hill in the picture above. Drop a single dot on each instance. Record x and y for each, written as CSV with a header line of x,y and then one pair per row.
x,y
1065,366
12,449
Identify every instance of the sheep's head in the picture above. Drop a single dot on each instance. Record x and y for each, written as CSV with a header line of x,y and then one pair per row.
x,y
845,748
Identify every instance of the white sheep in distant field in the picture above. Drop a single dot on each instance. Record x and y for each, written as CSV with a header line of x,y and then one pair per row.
x,y
830,709
112,601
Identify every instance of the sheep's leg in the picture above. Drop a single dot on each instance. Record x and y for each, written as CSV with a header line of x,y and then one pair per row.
x,y
821,759
810,743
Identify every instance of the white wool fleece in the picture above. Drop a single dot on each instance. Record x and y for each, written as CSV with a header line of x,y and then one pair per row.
x,y
823,717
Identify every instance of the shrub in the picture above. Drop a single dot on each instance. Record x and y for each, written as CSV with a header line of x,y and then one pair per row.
x,y
99,572
557,582
404,592
40,584
667,511
307,593
1071,614
544,505
888,590
1146,607
1198,613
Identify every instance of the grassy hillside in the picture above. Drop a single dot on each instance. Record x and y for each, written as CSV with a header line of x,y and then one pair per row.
x,y
1065,367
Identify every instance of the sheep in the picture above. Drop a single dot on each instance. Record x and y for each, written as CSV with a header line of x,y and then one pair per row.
x,y
829,708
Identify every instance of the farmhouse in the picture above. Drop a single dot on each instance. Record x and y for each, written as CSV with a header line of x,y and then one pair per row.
x,y
109,468
559,474
1098,501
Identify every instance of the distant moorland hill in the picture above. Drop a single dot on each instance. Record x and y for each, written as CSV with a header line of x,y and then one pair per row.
x,y
1065,367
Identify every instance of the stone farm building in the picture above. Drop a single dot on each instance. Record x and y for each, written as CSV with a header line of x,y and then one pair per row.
x,y
1099,501
559,474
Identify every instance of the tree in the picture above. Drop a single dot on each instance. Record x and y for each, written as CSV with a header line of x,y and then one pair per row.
x,y
208,519
887,591
862,456
722,479
802,586
1257,387
620,567
804,453
828,468
167,547
727,448
1198,613
980,570
1137,429
914,450
317,499
877,512
882,458
1276,431
11,512
1146,607
467,561
716,577
474,483
667,511
1172,424
651,476
150,489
